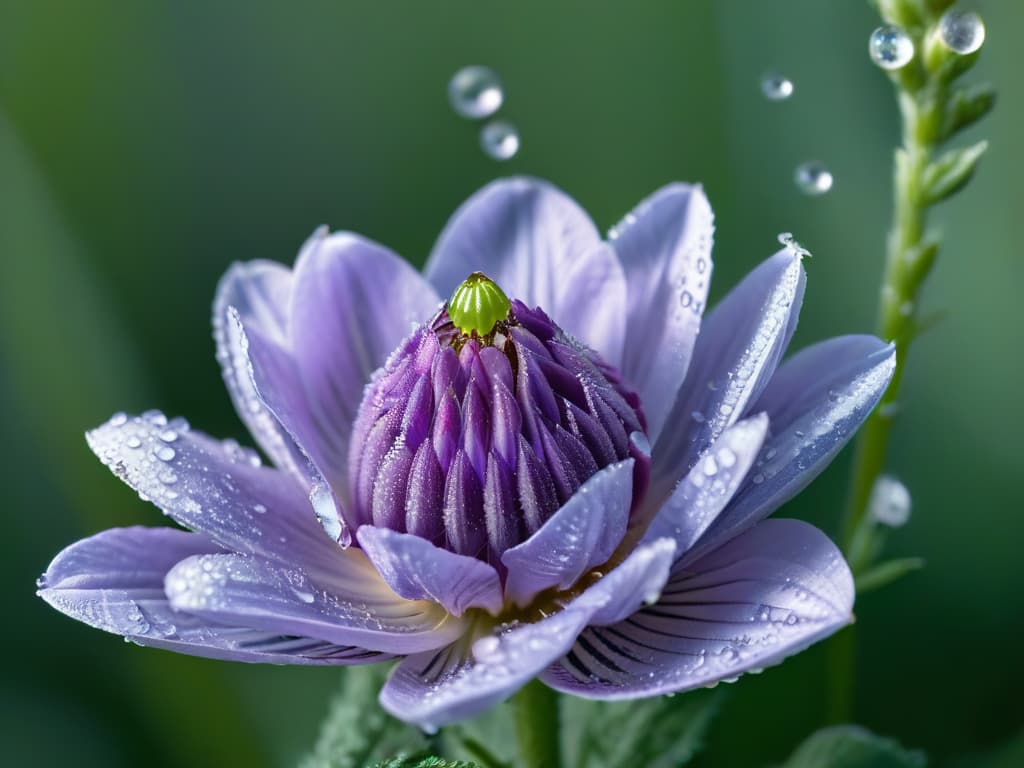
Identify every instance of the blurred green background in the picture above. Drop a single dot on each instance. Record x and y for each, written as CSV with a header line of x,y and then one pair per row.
x,y
146,145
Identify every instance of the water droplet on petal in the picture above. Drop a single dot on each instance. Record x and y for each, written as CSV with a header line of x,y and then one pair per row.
x,y
890,47
499,140
475,92
118,419
813,178
165,453
962,32
133,442
776,86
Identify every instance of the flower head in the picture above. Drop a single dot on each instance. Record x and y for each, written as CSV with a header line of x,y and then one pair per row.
x,y
550,474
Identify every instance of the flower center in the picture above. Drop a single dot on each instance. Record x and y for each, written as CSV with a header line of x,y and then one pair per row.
x,y
483,423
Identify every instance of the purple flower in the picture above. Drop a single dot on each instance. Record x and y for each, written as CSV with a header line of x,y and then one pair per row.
x,y
568,484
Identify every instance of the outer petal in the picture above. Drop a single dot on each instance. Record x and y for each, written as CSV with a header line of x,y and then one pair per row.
x,y
738,349
816,402
580,536
216,488
699,498
353,608
541,248
352,303
765,595
114,581
417,570
432,689
665,249
258,292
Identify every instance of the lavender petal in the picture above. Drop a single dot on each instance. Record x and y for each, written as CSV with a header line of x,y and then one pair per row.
x,y
761,597
739,347
665,249
417,570
580,536
537,244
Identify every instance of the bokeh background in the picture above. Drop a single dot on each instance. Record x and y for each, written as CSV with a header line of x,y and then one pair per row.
x,y
146,145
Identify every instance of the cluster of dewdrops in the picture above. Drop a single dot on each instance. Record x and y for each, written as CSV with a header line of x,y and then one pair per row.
x,y
891,48
475,92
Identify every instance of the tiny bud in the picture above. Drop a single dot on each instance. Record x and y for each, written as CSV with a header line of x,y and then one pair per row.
x,y
477,305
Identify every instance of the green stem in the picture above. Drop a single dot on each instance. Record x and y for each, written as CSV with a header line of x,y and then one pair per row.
x,y
537,715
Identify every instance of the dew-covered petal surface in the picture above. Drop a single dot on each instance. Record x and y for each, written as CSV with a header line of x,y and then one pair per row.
x,y
114,581
761,597
816,401
536,243
353,301
432,689
257,292
417,570
739,347
217,488
352,608
664,246
580,536
706,490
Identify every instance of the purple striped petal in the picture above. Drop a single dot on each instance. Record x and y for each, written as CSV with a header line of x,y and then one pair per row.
x,y
352,303
761,597
701,496
353,607
580,536
816,402
114,581
417,570
433,689
665,249
215,488
258,293
739,347
537,244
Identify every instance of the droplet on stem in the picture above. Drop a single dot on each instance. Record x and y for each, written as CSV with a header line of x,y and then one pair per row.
x,y
475,92
962,32
890,47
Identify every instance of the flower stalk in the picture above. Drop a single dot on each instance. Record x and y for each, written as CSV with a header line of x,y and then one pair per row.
x,y
932,110
537,722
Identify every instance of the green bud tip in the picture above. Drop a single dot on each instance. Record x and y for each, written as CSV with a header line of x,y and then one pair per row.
x,y
477,305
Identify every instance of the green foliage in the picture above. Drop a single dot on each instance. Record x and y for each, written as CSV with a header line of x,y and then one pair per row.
x,y
424,762
967,106
663,732
949,173
886,573
357,732
850,746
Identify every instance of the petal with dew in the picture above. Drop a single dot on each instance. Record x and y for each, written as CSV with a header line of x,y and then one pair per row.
x,y
541,248
114,581
664,246
417,570
763,596
580,536
215,488
816,401
355,607
739,347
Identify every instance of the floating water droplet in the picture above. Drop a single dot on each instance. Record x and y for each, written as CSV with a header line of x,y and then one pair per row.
x,y
499,139
890,47
962,32
776,86
813,178
475,92
890,502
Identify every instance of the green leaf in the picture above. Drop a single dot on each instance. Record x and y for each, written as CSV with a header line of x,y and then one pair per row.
x,y
664,732
967,106
1010,754
850,746
886,573
424,762
949,173
357,732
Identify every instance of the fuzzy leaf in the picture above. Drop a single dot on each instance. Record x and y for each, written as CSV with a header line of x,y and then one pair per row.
x,y
886,573
850,746
357,732
967,106
951,172
664,732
